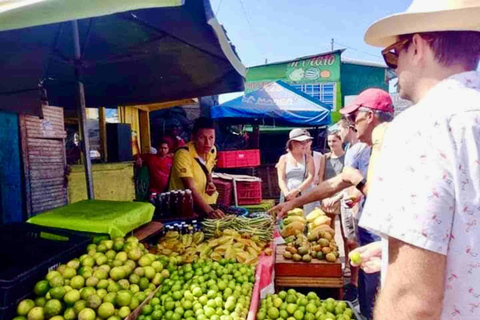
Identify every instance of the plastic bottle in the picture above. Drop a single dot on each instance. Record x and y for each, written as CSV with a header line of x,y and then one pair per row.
x,y
188,203
180,203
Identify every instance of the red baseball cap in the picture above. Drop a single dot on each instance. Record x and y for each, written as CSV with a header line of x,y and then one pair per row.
x,y
375,99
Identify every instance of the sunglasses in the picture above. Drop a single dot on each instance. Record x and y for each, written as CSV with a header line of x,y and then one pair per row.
x,y
390,53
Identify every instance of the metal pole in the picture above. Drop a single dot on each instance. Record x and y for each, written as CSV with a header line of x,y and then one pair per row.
x,y
85,143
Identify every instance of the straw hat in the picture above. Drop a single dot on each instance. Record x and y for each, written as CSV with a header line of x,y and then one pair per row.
x,y
426,16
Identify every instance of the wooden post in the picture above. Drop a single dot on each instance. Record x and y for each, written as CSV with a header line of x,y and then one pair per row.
x,y
145,140
102,125
85,143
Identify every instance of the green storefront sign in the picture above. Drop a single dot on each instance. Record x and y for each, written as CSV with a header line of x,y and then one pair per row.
x,y
316,69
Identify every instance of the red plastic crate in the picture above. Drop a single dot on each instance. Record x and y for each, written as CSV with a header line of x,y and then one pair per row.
x,y
238,159
224,189
249,192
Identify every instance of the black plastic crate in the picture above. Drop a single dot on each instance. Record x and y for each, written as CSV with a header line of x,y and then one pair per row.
x,y
27,253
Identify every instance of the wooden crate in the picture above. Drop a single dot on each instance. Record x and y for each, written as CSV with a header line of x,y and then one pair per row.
x,y
315,268
43,153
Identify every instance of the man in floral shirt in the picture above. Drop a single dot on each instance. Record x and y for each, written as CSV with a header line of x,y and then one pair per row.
x,y
425,195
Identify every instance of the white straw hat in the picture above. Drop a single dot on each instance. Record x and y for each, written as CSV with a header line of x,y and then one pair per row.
x,y
426,16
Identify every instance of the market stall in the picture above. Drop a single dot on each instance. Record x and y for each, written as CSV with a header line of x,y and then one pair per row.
x,y
268,114
191,269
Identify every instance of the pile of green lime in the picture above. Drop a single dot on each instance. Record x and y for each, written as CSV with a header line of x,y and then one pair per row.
x,y
292,305
108,282
204,290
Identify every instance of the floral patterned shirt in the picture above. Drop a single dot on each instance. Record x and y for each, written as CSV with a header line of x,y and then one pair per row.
x,y
426,189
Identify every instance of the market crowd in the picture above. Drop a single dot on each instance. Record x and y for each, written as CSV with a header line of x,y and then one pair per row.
x,y
417,180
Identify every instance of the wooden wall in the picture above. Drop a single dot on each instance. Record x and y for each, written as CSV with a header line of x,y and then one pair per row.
x,y
43,153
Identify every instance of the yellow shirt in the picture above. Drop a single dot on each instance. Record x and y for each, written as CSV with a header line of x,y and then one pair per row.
x,y
186,165
377,143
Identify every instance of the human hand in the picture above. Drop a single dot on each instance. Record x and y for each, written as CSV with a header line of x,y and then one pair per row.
x,y
292,194
210,190
139,162
216,214
351,176
328,203
368,257
282,208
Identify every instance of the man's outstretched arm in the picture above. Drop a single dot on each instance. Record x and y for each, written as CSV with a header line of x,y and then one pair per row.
x,y
324,190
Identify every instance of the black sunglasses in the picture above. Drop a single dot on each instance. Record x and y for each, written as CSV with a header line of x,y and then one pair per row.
x,y
390,53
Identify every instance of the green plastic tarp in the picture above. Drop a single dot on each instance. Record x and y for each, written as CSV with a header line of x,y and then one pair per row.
x,y
27,13
115,218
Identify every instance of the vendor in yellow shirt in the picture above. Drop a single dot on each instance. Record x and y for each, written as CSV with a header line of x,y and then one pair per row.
x,y
193,165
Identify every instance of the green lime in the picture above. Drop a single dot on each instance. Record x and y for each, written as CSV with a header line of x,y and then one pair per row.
x,y
102,293
298,315
86,292
124,312
87,314
134,303
88,262
57,292
147,309
25,306
36,313
312,308
291,308
69,273
41,288
40,301
157,315
123,298
106,310
52,308
283,314
57,318
79,306
110,297
312,296
71,297
149,272
69,314
94,301
273,313
77,282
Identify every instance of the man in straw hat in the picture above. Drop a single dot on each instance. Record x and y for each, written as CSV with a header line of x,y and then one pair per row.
x,y
425,196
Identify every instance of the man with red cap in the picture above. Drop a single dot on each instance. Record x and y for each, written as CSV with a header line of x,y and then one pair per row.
x,y
369,113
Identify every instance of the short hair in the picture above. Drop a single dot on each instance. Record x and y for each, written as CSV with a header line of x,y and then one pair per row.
x,y
164,141
344,123
202,123
453,47
382,116
335,133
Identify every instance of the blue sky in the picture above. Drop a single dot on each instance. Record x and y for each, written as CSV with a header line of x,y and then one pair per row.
x,y
280,30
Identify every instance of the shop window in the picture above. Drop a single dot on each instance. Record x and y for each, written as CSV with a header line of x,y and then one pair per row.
x,y
324,92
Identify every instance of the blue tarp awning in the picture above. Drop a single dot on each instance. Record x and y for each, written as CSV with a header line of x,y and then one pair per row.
x,y
277,102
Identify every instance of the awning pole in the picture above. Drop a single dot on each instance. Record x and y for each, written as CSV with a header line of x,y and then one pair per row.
x,y
85,143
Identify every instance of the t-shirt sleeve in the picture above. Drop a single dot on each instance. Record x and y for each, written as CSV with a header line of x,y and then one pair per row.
x,y
411,197
358,157
182,164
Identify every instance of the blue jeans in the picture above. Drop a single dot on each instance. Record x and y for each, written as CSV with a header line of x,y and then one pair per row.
x,y
367,283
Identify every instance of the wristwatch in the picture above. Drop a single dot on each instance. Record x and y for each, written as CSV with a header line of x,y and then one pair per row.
x,y
361,184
